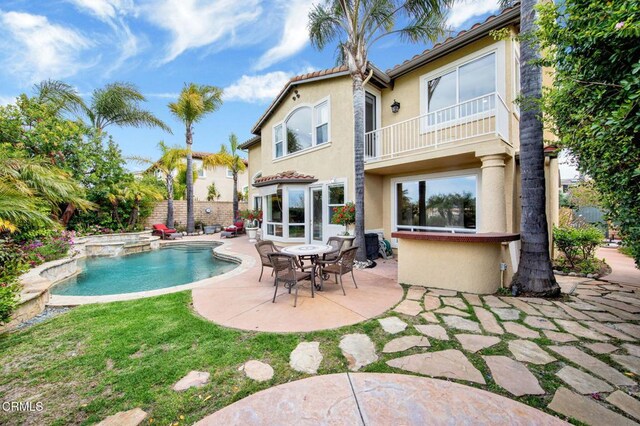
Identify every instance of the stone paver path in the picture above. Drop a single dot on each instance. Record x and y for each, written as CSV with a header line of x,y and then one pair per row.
x,y
626,403
450,363
578,330
359,350
403,343
125,418
513,376
559,337
431,302
392,325
409,307
585,409
524,350
194,379
448,310
581,381
433,330
520,330
306,357
473,342
430,317
592,364
600,348
540,322
257,370
415,292
461,323
488,321
506,314
456,302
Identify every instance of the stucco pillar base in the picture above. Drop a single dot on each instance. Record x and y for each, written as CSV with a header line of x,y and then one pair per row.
x,y
493,208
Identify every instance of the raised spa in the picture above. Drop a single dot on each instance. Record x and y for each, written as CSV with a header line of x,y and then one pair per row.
x,y
170,266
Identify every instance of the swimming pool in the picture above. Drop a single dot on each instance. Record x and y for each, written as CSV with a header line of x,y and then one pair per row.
x,y
172,265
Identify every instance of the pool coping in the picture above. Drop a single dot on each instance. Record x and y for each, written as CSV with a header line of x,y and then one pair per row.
x,y
222,251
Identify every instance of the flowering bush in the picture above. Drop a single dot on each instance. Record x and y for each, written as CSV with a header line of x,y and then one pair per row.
x,y
52,247
11,266
345,215
251,214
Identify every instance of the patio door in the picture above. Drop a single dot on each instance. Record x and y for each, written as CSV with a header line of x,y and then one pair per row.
x,y
317,222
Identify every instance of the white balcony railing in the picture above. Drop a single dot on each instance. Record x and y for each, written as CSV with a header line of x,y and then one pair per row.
x,y
481,116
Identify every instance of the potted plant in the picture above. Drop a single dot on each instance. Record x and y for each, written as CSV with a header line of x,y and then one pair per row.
x,y
252,220
345,215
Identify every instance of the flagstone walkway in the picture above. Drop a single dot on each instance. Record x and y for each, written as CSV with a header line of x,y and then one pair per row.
x,y
576,357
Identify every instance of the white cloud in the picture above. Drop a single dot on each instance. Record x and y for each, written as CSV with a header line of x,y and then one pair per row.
x,y
295,34
199,23
463,10
112,12
35,49
257,88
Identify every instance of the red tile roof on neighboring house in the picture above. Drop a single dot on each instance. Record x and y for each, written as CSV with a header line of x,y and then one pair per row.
x,y
290,176
201,154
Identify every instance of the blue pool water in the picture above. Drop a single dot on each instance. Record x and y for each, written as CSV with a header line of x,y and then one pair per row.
x,y
167,267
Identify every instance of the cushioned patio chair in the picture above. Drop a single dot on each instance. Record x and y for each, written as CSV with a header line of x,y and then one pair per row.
x,y
236,228
265,247
339,266
289,272
336,243
161,230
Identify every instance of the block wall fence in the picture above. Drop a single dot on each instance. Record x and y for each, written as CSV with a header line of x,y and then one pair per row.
x,y
221,212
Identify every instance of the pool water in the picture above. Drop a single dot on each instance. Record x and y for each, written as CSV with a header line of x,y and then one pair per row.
x,y
167,267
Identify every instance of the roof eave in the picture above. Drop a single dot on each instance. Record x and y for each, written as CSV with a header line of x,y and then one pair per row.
x,y
279,181
506,18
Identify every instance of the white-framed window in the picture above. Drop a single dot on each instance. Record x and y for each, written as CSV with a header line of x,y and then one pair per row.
x,y
200,169
257,202
335,198
441,202
274,216
229,173
286,213
304,127
463,90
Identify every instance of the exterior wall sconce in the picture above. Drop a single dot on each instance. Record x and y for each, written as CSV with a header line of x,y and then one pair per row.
x,y
395,106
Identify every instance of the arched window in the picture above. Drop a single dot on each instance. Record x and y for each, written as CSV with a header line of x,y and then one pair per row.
x,y
299,135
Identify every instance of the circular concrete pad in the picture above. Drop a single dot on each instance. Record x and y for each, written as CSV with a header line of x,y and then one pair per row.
x,y
377,399
244,303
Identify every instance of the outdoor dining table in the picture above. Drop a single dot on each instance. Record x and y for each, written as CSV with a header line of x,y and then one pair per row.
x,y
313,251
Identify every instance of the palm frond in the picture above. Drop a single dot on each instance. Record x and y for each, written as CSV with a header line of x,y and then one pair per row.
x,y
61,96
195,101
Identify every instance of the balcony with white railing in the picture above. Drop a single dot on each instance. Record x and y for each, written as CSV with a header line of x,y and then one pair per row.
x,y
458,124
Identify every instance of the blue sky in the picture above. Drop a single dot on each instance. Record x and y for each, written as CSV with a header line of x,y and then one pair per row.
x,y
248,47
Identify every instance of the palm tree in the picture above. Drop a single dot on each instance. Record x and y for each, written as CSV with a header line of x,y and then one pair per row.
x,y
169,163
195,101
32,189
137,191
535,272
356,25
230,159
115,104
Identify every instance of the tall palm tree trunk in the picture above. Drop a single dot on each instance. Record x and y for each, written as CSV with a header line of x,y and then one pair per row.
x,y
170,221
235,195
535,273
191,225
358,138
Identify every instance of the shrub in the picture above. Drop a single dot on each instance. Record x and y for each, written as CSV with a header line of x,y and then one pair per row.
x,y
11,266
345,215
578,245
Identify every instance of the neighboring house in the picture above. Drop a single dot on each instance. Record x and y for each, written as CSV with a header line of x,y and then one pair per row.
x,y
221,176
441,144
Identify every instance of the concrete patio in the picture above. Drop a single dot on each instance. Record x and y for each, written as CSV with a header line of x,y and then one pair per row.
x,y
244,303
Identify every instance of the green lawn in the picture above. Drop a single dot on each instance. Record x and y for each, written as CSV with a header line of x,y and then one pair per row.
x,y
97,360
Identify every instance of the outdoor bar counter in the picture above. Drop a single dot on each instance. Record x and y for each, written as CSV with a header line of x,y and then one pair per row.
x,y
468,263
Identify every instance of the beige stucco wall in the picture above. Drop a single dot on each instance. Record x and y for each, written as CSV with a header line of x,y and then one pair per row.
x,y
333,159
217,175
466,267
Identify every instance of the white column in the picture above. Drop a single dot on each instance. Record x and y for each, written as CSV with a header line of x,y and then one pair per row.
x,y
493,209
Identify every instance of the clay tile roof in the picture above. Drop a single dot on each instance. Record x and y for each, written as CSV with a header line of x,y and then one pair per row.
x,y
200,154
290,176
515,8
250,142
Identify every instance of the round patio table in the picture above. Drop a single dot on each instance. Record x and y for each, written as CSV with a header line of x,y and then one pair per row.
x,y
311,250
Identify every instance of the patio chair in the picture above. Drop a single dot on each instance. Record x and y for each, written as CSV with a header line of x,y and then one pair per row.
x,y
289,272
337,243
161,230
236,228
339,266
264,248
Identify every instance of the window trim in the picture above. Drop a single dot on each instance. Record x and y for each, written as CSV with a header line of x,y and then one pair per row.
x,y
229,173
314,126
498,48
331,206
516,72
285,216
430,176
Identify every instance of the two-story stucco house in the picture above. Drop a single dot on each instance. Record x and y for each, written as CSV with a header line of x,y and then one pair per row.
x,y
441,145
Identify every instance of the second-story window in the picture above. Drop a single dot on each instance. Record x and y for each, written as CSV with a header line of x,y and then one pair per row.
x,y
305,127
466,90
